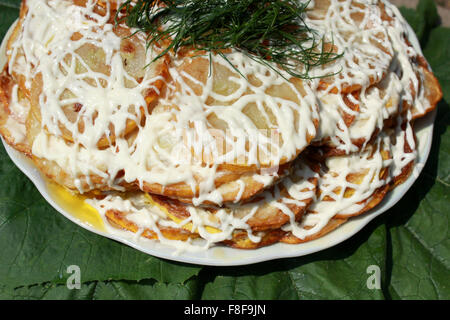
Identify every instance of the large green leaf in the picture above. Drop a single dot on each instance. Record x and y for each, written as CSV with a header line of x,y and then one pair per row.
x,y
437,53
423,19
38,244
338,273
409,243
9,11
106,290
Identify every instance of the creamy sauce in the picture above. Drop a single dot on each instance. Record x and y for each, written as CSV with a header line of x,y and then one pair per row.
x,y
212,227
373,48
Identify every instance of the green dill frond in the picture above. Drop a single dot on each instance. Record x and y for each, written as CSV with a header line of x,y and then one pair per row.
x,y
268,31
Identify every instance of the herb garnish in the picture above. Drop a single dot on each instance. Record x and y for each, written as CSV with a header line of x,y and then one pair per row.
x,y
264,30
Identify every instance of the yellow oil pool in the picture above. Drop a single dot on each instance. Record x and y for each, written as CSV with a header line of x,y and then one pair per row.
x,y
75,205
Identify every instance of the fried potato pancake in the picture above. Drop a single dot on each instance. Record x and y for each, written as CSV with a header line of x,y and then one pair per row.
x,y
273,208
241,240
229,186
333,224
246,123
119,220
14,108
355,30
82,109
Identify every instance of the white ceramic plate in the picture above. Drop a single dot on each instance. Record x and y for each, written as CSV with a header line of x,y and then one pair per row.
x,y
224,256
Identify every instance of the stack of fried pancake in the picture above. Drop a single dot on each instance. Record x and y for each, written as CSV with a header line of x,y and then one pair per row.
x,y
196,148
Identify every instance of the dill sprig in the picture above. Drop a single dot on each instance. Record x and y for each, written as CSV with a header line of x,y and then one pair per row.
x,y
268,31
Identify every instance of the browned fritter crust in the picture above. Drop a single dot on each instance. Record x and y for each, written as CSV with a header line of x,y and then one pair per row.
x,y
266,217
408,169
226,183
241,240
333,224
371,202
431,85
6,85
320,10
118,219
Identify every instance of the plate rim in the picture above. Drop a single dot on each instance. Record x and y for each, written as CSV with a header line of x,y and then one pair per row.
x,y
214,255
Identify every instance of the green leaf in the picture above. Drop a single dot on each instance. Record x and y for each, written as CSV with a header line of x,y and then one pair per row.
x,y
47,291
148,290
437,52
41,244
423,19
108,290
9,12
337,273
10,3
409,243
